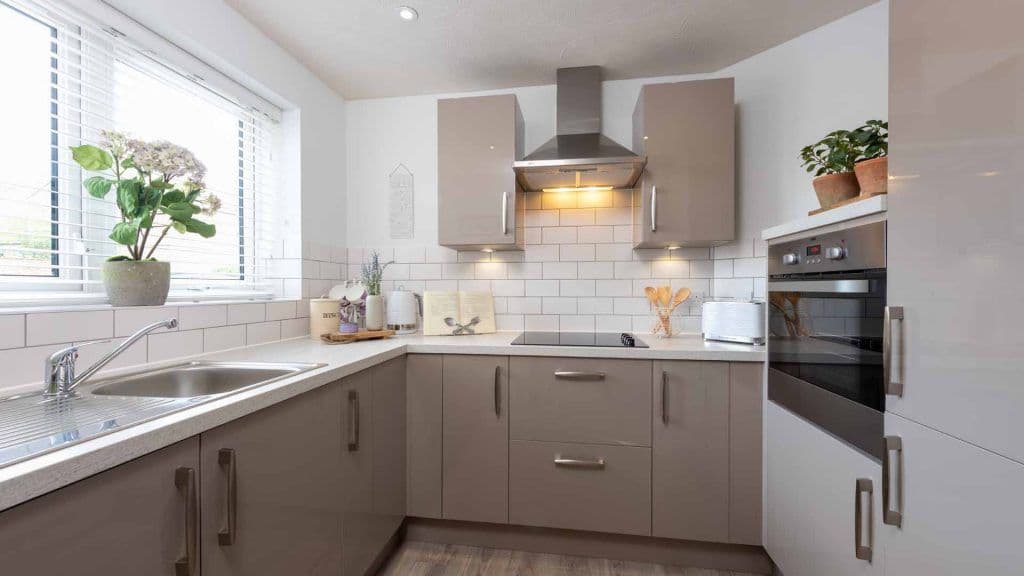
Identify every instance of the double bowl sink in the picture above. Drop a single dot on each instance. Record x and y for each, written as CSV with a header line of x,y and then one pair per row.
x,y
34,424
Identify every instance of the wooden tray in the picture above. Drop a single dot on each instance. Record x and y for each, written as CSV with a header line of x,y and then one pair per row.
x,y
339,338
853,200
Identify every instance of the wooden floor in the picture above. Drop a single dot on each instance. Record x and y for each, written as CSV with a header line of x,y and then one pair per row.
x,y
428,559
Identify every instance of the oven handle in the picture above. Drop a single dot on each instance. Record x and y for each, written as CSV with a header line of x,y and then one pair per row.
x,y
822,286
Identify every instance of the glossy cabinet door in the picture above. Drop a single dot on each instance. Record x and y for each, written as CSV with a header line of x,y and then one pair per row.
x,y
475,437
478,205
686,196
357,541
691,450
389,458
746,425
272,489
955,213
132,519
815,484
423,435
961,508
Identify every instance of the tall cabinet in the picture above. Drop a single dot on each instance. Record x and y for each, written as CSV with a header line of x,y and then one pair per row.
x,y
955,458
686,196
479,204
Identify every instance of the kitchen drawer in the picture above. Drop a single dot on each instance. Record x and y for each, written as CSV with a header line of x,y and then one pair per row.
x,y
592,400
614,496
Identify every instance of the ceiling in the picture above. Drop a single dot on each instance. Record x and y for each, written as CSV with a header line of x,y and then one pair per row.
x,y
362,49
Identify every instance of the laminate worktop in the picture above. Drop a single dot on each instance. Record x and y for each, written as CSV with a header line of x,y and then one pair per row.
x,y
27,479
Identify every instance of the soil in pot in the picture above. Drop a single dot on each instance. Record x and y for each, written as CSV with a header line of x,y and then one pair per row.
x,y
873,175
834,188
135,283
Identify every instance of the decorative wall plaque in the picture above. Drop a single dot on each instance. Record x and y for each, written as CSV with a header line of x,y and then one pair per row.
x,y
401,217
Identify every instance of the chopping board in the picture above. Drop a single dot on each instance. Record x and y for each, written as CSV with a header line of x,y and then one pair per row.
x,y
339,338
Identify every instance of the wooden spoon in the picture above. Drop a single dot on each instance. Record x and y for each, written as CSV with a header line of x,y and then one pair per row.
x,y
681,295
652,295
664,295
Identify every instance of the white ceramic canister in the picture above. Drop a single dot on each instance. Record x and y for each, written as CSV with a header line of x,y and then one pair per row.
x,y
374,312
323,316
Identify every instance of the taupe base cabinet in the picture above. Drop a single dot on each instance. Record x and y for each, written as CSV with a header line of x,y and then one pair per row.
x,y
669,449
313,485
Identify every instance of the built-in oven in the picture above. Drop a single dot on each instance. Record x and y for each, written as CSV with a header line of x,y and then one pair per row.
x,y
825,340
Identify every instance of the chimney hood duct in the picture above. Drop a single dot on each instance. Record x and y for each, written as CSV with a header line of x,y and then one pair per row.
x,y
579,156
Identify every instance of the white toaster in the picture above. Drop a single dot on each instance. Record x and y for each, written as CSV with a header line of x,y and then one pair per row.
x,y
733,322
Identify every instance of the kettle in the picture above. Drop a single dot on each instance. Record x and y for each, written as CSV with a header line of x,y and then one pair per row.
x,y
403,311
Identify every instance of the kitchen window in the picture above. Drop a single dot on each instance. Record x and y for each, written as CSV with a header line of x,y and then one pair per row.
x,y
66,80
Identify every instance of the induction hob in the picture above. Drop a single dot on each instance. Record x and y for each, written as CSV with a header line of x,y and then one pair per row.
x,y
603,339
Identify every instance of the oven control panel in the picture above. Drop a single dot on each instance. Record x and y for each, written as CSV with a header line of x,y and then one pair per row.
x,y
858,248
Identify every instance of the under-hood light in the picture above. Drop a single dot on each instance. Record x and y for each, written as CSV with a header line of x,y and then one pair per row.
x,y
578,189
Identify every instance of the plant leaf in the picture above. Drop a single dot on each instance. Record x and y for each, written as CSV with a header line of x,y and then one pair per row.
x,y
173,197
179,227
202,228
91,158
125,232
98,186
128,197
180,211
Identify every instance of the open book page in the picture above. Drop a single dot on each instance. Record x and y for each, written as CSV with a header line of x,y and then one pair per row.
x,y
436,307
477,305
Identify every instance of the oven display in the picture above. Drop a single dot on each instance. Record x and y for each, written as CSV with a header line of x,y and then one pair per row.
x,y
814,250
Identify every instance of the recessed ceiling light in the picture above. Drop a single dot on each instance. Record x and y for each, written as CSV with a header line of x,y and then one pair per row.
x,y
408,13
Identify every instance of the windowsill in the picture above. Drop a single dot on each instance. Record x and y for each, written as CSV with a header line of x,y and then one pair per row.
x,y
23,305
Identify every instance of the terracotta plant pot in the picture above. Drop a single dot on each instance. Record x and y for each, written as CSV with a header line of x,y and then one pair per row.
x,y
834,188
133,283
873,175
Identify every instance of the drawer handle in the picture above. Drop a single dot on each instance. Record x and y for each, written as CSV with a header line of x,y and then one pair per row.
x,y
353,421
595,464
664,397
226,460
497,391
571,375
862,551
891,372
890,516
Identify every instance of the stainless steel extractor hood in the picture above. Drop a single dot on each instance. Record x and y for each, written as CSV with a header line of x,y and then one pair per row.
x,y
579,156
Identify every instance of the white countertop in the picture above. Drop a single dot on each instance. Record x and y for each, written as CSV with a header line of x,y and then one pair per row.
x,y
872,205
34,477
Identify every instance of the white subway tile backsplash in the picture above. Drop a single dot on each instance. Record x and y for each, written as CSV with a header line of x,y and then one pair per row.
x,y
247,313
529,305
224,337
560,270
736,249
202,316
440,254
262,332
542,287
555,200
12,331
596,270
576,288
396,272
559,235
525,271
595,234
651,254
24,365
595,306
542,253
614,287
750,267
460,271
670,269
559,305
507,256
702,269
425,271
576,252
294,328
723,268
441,285
533,236
410,255
491,270
618,252
576,217
500,304
56,327
508,288
624,234
475,285
610,323
596,199
574,323
737,288
129,320
613,216
632,306
135,355
541,323
281,310
632,269
541,218
174,345
509,322
474,256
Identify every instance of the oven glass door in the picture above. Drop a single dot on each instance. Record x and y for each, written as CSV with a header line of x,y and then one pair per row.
x,y
826,330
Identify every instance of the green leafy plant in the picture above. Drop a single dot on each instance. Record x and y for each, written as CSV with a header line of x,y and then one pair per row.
x,y
158,187
373,273
834,153
872,139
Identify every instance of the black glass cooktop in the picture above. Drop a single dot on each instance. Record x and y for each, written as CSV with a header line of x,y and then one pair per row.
x,y
606,339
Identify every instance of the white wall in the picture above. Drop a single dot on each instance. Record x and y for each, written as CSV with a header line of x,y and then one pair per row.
x,y
830,78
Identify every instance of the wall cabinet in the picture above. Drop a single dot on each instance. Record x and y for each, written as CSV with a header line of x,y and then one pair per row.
x,y
479,204
475,438
815,486
138,518
686,196
273,490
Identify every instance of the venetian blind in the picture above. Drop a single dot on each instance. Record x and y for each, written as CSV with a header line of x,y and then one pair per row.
x,y
72,78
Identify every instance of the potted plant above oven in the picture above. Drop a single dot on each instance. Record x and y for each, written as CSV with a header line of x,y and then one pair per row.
x,y
158,186
872,167
831,161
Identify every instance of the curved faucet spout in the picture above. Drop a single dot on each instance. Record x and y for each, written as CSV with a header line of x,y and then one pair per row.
x,y
59,377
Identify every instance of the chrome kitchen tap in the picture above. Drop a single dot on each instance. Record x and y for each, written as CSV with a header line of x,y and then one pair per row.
x,y
59,377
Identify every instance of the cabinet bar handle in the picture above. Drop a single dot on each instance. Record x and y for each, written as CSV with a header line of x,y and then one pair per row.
x,y
664,397
353,421
893,444
891,372
504,213
864,486
185,480
226,460
497,391
654,208
594,464
570,375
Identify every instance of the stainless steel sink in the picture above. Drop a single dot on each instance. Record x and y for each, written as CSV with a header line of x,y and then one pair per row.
x,y
35,424
197,379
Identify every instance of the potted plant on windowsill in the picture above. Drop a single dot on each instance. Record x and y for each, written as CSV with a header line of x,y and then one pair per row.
x,y
158,187
831,161
872,167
